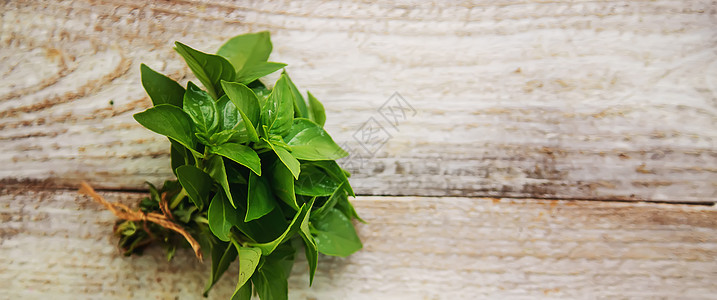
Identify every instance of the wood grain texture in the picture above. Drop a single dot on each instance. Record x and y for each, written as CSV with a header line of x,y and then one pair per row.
x,y
59,245
581,100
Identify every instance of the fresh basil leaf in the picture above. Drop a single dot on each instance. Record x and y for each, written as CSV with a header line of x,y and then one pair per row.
x,y
247,104
228,114
161,89
269,247
255,71
262,230
171,186
310,249
210,69
345,206
270,280
338,174
278,111
241,154
287,159
271,283
215,168
197,184
236,174
309,141
223,254
247,49
202,109
260,201
205,238
243,99
243,292
313,181
250,129
338,195
335,235
170,121
318,114
221,137
178,155
277,140
220,215
260,90
248,261
300,109
283,183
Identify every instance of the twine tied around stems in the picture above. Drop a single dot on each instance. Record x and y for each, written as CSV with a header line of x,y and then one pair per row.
x,y
125,213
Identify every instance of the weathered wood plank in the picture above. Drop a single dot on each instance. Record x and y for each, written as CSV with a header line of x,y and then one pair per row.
x,y
589,100
57,244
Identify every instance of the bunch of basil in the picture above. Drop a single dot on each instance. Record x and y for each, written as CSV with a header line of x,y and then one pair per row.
x,y
256,171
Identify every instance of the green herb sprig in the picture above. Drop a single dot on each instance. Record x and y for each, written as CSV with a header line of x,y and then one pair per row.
x,y
256,171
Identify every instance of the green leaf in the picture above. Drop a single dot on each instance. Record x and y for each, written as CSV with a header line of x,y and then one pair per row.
x,y
224,136
210,69
219,215
202,109
335,234
224,216
318,114
283,183
179,156
228,114
338,195
310,250
205,238
287,159
260,90
309,141
215,168
248,261
332,169
241,154
250,129
247,104
345,206
170,121
269,247
223,254
270,280
161,89
278,111
243,99
236,174
260,201
300,110
313,181
262,230
247,49
255,71
197,184
243,293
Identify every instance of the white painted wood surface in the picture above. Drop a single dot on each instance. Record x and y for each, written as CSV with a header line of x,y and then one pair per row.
x,y
594,100
59,245
590,100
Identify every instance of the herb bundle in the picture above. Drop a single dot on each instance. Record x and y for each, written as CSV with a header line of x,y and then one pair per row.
x,y
256,171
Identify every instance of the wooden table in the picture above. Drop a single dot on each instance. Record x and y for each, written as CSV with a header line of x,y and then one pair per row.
x,y
535,149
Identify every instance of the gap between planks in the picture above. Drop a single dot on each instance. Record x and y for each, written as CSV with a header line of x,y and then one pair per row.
x,y
39,188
